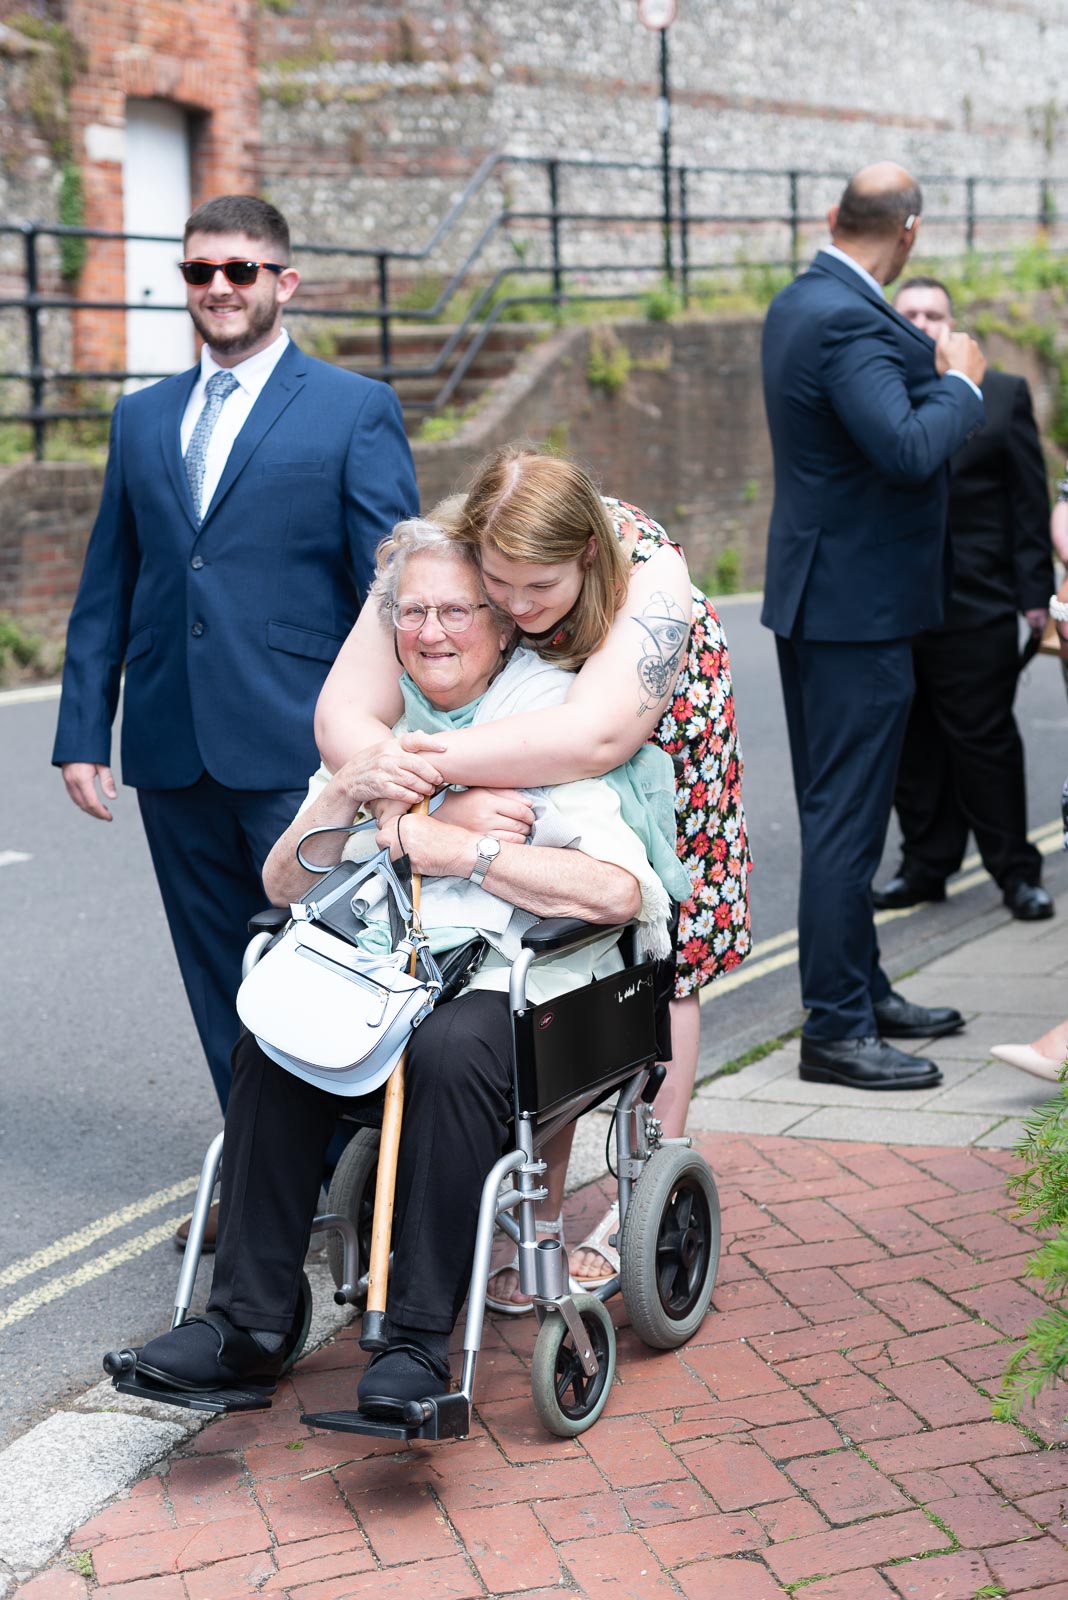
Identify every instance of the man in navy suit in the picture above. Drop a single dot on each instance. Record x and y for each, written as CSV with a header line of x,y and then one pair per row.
x,y
242,506
863,414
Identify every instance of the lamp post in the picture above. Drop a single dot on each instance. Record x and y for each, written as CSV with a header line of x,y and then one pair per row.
x,y
657,16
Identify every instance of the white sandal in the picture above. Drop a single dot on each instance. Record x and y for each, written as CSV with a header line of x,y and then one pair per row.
x,y
597,1241
523,1308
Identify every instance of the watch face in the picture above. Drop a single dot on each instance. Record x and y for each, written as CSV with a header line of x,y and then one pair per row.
x,y
489,848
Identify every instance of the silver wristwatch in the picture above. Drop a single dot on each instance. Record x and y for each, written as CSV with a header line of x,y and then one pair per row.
x,y
487,850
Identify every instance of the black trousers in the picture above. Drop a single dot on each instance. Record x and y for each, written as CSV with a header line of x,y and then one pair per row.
x,y
962,763
457,1106
846,709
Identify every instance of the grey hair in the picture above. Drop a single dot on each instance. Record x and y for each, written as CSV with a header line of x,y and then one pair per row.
x,y
421,536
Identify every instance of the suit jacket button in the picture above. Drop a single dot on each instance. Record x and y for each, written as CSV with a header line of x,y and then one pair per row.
x,y
197,629
196,563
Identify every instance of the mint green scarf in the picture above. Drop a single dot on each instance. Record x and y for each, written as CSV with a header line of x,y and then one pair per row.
x,y
645,785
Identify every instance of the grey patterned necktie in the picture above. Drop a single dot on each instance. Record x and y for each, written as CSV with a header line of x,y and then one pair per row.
x,y
216,390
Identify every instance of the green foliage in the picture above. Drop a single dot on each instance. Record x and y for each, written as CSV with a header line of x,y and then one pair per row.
x,y
1041,1192
71,207
279,6
82,1562
18,649
556,440
728,572
50,77
990,1591
757,1053
751,492
16,443
442,425
608,362
661,304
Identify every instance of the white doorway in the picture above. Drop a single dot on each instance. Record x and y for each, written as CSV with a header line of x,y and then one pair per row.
x,y
155,199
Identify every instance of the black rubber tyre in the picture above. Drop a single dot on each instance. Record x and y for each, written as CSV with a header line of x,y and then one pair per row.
x,y
297,1336
669,1249
352,1195
566,1400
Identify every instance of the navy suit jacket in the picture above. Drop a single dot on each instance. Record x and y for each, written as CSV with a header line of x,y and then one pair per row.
x,y
228,631
861,430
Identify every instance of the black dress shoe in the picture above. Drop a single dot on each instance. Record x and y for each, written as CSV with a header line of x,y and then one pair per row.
x,y
907,889
898,1018
1028,902
206,1353
868,1063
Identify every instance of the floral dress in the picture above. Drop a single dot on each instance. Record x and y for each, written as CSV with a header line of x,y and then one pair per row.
x,y
700,726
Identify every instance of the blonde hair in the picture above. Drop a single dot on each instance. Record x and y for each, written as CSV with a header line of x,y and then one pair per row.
x,y
543,509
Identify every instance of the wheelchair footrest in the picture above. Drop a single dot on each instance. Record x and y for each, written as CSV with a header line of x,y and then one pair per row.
x,y
213,1401
446,1417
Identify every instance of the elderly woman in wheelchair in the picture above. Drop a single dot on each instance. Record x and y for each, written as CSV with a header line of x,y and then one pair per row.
x,y
544,1028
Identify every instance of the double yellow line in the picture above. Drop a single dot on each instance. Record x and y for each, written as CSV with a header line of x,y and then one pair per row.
x,y
72,1243
771,955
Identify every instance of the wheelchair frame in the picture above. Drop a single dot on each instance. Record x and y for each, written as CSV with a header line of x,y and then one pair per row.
x,y
620,1010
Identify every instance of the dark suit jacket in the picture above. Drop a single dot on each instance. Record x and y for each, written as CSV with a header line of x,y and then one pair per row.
x,y
861,429
228,631
999,512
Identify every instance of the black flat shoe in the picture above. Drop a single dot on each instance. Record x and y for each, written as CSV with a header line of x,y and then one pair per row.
x,y
907,889
397,1376
868,1063
208,1352
899,1018
1028,902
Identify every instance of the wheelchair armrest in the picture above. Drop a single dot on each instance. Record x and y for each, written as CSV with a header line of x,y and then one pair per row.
x,y
269,920
554,934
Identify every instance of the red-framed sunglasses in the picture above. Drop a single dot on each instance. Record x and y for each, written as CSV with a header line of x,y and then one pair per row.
x,y
239,273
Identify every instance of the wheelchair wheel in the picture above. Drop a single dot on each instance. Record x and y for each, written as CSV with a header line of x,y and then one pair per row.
x,y
669,1249
566,1400
297,1336
352,1195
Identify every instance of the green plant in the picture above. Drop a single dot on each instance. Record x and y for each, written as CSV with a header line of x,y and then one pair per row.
x,y
16,443
757,1053
608,362
71,208
990,1591
1041,1193
660,304
17,647
441,426
555,441
728,571
751,492
82,1563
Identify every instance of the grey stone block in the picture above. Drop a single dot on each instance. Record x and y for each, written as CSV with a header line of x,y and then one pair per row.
x,y
1006,1136
744,1116
893,1127
995,1087
738,1085
984,995
56,1476
795,1092
999,954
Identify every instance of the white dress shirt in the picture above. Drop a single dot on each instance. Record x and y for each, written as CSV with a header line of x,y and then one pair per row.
x,y
840,255
251,376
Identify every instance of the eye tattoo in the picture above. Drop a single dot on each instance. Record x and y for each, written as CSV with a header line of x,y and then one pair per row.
x,y
666,631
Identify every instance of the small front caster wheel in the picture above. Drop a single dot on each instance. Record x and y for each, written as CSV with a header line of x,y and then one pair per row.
x,y
567,1400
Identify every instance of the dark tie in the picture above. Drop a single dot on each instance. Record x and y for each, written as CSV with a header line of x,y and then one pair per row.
x,y
216,390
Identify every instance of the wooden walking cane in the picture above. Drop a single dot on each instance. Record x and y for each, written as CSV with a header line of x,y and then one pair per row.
x,y
373,1331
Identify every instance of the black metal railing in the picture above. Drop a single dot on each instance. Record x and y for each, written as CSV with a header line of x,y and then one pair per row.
x,y
565,270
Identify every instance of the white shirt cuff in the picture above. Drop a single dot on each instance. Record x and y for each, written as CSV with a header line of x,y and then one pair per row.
x,y
964,378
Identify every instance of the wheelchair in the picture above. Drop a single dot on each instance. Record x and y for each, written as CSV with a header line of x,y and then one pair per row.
x,y
569,1056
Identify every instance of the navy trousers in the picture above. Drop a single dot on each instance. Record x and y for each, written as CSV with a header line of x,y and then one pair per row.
x,y
208,845
847,706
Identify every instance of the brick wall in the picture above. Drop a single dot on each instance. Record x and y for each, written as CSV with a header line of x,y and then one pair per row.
x,y
48,512
193,53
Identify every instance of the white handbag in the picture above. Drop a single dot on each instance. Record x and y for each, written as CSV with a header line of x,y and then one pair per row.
x,y
322,1008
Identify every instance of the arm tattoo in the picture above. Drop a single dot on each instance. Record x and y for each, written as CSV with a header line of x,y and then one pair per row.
x,y
666,631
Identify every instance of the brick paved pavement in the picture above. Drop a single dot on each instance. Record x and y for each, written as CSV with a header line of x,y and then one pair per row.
x,y
828,1432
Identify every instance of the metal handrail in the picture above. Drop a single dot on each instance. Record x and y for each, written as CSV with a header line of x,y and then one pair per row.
x,y
675,217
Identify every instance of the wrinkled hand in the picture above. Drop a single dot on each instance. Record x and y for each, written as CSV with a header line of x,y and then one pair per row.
x,y
434,848
960,352
81,780
506,813
388,772
1036,620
